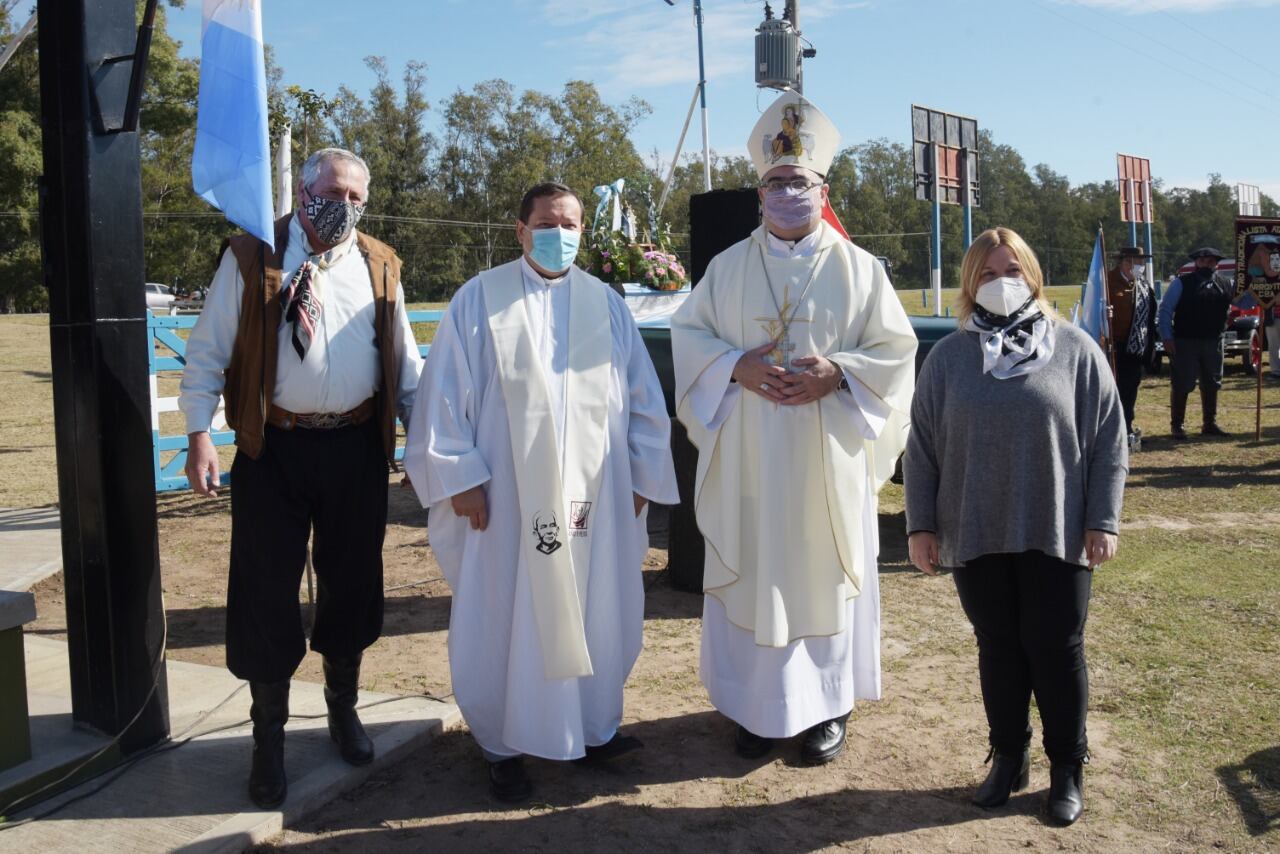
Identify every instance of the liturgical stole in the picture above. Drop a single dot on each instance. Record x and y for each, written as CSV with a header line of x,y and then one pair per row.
x,y
556,504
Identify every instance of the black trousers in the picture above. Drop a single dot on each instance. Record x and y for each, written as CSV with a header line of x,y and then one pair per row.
x,y
336,482
1028,612
1128,378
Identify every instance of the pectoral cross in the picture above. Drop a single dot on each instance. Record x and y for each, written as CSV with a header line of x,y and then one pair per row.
x,y
779,331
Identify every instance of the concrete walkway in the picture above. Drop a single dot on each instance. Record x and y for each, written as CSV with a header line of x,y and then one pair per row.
x,y
30,546
192,798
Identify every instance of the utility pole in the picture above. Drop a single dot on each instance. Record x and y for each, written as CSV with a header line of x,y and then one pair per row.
x,y
792,13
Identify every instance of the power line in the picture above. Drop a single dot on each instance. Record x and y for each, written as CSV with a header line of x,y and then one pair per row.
x,y
1128,46
1235,49
1199,59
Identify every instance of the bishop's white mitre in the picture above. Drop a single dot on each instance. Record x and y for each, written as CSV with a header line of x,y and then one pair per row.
x,y
793,132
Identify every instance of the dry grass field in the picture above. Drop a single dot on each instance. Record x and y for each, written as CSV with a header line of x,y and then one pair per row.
x,y
1182,643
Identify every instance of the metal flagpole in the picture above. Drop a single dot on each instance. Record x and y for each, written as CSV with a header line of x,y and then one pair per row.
x,y
1146,188
1106,297
935,244
702,90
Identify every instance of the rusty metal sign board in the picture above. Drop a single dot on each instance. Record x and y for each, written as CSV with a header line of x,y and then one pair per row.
x,y
1133,176
956,139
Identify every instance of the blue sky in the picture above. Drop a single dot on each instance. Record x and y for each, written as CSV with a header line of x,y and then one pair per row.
x,y
1067,82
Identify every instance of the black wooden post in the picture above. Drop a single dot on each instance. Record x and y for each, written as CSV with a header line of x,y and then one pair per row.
x,y
91,224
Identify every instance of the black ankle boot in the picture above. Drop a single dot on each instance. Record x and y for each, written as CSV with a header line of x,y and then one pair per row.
x,y
1177,414
1066,791
1209,399
341,688
1009,773
270,710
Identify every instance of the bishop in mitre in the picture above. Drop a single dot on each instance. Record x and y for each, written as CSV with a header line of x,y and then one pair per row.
x,y
794,374
538,436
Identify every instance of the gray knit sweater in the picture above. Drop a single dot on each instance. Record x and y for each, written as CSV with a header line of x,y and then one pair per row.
x,y
1005,466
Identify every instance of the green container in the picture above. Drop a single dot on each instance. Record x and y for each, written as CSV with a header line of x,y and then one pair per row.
x,y
15,725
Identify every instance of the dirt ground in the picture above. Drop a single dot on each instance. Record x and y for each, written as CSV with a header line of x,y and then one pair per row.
x,y
1184,716
902,784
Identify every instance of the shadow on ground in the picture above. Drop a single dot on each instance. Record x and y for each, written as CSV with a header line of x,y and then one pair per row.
x,y
1255,785
448,779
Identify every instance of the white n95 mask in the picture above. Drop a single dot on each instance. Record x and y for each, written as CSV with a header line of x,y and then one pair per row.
x,y
1004,296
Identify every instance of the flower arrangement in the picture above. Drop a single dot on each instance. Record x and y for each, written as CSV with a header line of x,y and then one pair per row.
x,y
662,271
615,256
612,259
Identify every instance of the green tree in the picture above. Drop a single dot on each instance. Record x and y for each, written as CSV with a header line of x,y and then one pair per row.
x,y
21,163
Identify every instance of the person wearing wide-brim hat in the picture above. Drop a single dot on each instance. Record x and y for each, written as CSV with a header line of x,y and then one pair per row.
x,y
1133,328
1193,314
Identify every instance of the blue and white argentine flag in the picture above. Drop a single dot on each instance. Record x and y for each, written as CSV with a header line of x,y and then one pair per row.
x,y
1093,308
231,166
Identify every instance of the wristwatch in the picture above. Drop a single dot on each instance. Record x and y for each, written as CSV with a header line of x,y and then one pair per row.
x,y
843,385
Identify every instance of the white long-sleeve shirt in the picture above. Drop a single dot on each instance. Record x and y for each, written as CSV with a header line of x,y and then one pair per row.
x,y
341,369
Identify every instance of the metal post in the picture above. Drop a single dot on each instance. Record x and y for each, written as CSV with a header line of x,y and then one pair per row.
x,y
935,244
91,235
702,94
795,25
1133,213
1151,250
967,200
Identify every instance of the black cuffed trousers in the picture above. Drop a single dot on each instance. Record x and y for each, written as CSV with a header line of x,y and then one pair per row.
x,y
1028,612
334,481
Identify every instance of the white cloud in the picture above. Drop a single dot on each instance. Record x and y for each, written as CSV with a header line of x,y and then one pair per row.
x,y
1140,7
634,45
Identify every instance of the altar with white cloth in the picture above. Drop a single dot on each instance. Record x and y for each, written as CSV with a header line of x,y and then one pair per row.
x,y
653,309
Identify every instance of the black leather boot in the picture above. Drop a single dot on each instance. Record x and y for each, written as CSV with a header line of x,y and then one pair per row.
x,y
508,780
341,688
270,710
1066,791
1009,773
824,742
1209,401
1177,414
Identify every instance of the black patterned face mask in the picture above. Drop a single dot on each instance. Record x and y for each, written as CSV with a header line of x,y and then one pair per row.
x,y
333,220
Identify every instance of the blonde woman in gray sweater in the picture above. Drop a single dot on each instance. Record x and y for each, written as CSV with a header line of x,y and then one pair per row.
x,y
1015,471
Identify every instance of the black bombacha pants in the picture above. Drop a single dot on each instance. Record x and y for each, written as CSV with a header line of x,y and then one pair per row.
x,y
334,481
1028,612
1128,379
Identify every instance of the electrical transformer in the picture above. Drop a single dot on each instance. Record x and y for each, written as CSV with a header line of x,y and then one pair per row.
x,y
777,55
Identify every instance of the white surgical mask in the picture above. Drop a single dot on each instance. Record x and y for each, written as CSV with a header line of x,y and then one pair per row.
x,y
1138,270
1003,296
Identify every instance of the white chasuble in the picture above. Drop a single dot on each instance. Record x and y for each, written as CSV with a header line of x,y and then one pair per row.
x,y
514,420
786,496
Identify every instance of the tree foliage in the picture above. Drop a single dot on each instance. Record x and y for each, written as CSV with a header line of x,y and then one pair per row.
x,y
448,200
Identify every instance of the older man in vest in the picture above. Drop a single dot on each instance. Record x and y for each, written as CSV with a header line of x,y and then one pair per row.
x,y
311,348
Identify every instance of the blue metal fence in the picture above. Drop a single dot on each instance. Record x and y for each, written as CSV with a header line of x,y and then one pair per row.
x,y
170,474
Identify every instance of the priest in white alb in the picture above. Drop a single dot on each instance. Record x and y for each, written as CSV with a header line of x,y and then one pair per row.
x,y
794,367
538,436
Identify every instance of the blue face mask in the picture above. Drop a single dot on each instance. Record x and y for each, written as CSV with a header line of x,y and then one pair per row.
x,y
554,248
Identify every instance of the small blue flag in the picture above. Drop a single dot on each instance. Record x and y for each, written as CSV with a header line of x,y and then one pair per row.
x,y
231,165
1093,308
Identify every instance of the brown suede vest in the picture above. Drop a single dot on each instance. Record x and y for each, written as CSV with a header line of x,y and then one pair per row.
x,y
251,375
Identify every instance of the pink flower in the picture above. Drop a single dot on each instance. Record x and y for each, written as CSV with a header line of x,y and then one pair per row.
x,y
662,271
608,268
605,253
